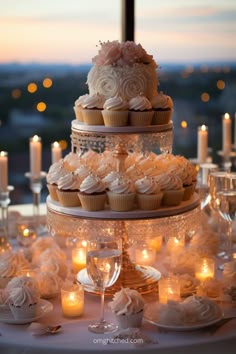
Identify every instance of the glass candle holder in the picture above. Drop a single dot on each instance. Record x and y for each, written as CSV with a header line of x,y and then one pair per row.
x,y
155,243
145,255
26,231
72,300
205,268
169,289
78,255
175,244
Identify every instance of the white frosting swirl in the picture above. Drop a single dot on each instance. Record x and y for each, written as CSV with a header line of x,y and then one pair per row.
x,y
116,104
121,185
200,309
125,82
18,282
110,177
70,181
24,296
161,101
147,185
82,172
127,302
92,184
56,171
169,181
139,103
93,101
79,102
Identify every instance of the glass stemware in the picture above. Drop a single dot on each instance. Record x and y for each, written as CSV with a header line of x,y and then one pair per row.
x,y
103,268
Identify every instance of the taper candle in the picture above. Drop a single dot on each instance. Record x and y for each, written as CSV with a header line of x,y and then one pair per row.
x,y
35,155
202,143
226,138
55,152
3,171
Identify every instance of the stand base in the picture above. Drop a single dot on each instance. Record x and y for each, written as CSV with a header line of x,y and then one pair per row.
x,y
144,279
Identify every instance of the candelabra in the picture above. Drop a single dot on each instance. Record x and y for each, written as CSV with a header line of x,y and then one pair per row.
x,y
36,187
4,202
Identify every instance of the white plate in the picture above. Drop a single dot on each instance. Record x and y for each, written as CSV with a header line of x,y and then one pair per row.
x,y
43,308
149,317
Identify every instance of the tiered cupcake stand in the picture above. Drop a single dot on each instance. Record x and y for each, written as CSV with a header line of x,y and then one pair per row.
x,y
131,226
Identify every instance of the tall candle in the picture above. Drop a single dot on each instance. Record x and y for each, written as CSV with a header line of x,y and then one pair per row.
x,y
202,143
35,155
3,171
235,130
56,152
227,139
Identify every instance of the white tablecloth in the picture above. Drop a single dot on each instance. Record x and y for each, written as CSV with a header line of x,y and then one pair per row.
x,y
75,337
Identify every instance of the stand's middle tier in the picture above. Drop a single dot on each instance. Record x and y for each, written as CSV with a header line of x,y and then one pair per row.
x,y
158,138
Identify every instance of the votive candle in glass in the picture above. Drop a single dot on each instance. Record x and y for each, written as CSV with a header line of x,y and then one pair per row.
x,y
72,300
145,256
169,289
205,268
78,255
175,244
155,242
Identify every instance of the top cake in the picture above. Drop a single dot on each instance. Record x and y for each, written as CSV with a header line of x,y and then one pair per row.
x,y
123,89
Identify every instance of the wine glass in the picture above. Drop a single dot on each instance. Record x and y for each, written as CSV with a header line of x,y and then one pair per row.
x,y
226,203
103,267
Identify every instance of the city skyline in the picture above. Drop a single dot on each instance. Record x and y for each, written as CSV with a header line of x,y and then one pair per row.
x,y
68,32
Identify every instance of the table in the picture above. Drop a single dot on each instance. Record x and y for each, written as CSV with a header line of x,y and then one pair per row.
x,y
75,338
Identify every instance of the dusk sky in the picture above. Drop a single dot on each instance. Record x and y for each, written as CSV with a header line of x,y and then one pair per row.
x,y
67,31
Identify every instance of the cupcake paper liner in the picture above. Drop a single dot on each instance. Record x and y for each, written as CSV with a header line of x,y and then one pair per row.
x,y
188,192
78,113
52,188
92,117
121,202
24,311
141,118
130,321
92,202
115,118
161,117
172,197
149,201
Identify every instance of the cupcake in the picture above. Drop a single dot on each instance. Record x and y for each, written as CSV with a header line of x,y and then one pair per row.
x,y
141,112
128,307
115,112
172,188
92,109
67,191
72,161
10,264
163,109
78,107
23,302
56,171
149,193
121,194
19,281
92,193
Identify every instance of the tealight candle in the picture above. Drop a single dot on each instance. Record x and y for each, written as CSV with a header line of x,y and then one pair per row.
x,y
3,171
175,244
55,152
226,134
26,237
169,289
35,155
202,143
155,243
145,256
205,268
72,300
78,258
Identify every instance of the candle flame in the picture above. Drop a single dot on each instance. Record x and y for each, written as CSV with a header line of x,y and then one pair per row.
x,y
72,296
3,153
56,144
145,254
203,127
226,116
26,232
36,138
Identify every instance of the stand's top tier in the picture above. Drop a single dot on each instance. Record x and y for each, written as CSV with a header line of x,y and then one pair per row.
x,y
158,138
